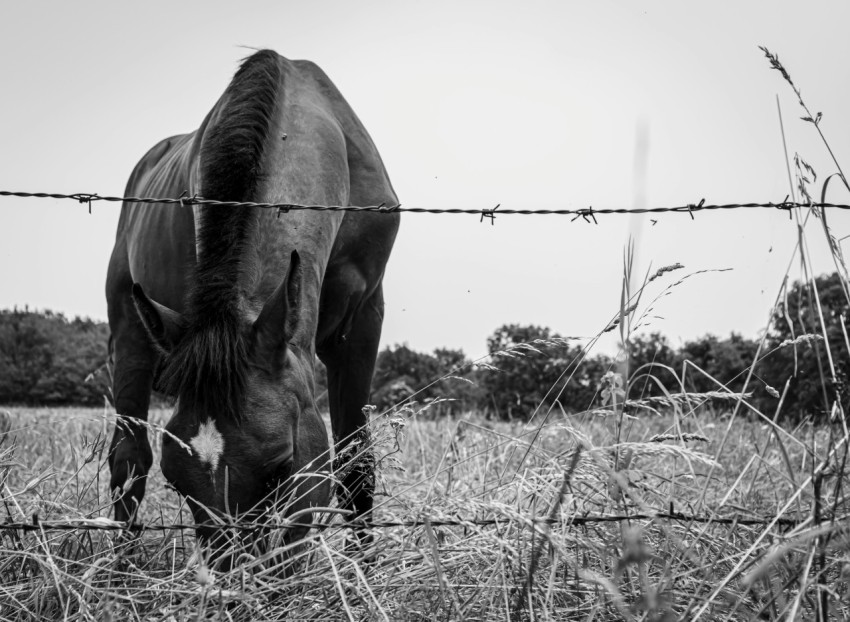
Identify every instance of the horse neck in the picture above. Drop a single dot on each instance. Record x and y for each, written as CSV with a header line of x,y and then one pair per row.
x,y
312,236
304,161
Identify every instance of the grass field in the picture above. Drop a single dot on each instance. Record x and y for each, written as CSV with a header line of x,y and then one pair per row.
x,y
462,469
689,507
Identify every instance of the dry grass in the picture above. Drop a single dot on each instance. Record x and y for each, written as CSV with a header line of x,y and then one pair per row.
x,y
433,470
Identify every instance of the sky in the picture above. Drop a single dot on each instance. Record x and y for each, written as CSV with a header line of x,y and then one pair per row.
x,y
536,105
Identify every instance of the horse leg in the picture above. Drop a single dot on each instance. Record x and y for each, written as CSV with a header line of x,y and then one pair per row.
x,y
350,363
130,455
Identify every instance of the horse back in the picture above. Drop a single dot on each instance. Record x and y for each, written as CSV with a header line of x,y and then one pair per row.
x,y
361,246
328,157
155,243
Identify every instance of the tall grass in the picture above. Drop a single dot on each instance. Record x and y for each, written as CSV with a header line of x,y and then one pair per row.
x,y
462,469
682,506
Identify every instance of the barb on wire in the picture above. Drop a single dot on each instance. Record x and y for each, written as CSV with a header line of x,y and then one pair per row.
x,y
692,208
588,213
84,197
786,205
584,213
490,213
105,524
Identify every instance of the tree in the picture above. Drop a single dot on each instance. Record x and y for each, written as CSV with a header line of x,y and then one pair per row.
x,y
726,360
45,358
25,353
649,357
402,373
534,366
797,352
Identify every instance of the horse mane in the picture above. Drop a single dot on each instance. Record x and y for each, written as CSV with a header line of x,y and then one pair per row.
x,y
207,368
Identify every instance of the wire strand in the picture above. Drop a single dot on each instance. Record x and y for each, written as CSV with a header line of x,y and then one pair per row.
x,y
103,524
588,214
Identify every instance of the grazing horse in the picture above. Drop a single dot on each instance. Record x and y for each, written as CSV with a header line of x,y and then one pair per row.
x,y
225,308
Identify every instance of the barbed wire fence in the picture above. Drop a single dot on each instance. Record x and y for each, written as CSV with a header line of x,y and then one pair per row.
x,y
587,214
105,524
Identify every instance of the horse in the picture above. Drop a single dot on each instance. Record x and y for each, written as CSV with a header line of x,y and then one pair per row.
x,y
226,308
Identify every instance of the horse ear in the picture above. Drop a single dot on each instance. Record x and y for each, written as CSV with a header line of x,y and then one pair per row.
x,y
163,325
279,319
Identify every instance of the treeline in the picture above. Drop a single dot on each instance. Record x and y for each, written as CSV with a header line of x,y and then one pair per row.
x,y
533,367
536,367
506,385
45,359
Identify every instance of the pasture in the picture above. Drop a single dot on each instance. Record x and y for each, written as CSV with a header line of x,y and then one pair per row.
x,y
679,506
521,542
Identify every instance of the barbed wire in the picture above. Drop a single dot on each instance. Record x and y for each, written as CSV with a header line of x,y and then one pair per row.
x,y
105,524
588,214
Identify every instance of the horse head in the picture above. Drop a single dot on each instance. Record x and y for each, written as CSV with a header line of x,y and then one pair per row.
x,y
245,419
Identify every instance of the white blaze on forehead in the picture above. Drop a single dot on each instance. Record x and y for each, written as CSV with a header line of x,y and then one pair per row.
x,y
208,444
